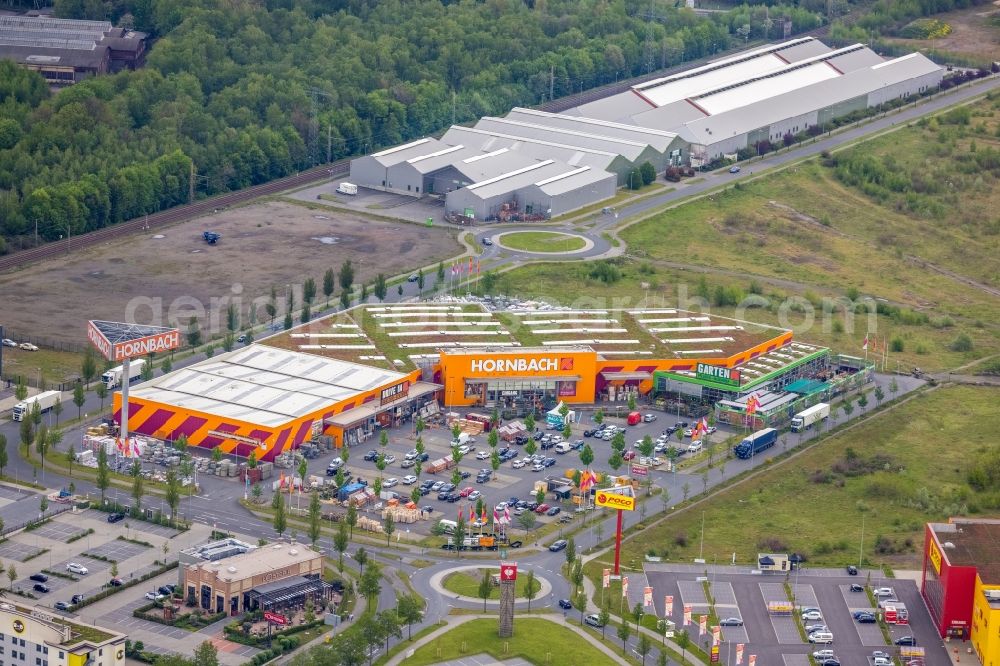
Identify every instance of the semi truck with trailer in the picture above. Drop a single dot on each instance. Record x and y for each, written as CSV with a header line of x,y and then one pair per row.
x,y
755,443
113,378
808,417
45,401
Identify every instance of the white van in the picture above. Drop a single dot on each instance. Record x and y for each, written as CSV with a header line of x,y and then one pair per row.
x,y
824,637
562,447
448,526
347,188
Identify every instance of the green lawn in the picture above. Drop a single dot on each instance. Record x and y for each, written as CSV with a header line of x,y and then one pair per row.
x,y
466,583
55,366
910,467
542,241
546,644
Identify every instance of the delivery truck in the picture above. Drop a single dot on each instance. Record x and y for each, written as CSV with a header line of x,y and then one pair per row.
x,y
807,417
113,378
755,443
45,401
347,188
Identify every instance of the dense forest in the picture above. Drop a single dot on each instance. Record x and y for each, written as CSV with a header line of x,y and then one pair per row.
x,y
240,92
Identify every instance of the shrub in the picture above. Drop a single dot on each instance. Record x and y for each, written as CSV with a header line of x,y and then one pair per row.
x,y
681,539
963,343
896,345
772,544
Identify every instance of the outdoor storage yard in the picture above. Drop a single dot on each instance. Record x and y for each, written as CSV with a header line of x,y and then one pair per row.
x,y
174,270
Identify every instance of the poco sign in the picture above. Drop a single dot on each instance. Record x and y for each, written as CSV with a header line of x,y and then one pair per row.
x,y
514,365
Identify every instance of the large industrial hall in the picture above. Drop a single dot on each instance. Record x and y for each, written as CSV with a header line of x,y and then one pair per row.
x,y
543,164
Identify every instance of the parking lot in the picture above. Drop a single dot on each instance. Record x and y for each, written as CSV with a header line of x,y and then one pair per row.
x,y
511,479
771,633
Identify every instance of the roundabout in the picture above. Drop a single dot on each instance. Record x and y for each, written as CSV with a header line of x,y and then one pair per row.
x,y
462,583
544,242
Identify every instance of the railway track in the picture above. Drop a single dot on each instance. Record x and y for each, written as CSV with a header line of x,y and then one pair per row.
x,y
301,179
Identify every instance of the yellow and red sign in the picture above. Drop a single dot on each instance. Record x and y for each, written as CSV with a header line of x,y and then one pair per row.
x,y
714,654
614,501
934,554
160,341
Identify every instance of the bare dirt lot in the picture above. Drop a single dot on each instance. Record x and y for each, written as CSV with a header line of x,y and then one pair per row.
x,y
974,33
168,279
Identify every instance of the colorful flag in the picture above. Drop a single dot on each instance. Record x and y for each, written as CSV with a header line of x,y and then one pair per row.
x,y
753,660
496,515
478,267
472,514
647,597
606,580
752,404
118,444
739,654
716,634
702,625
506,515
864,345
687,614
668,606
624,586
470,265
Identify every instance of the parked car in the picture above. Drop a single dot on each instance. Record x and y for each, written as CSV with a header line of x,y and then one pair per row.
x,y
537,467
371,456
40,587
409,479
857,588
483,455
389,459
116,582
881,654
558,545
852,570
61,605
731,622
882,661
542,508
465,492
27,346
166,589
829,662
487,241
155,596
38,577
565,603
77,598
905,640
812,615
437,485
517,464
866,618
515,544
883,592
593,621
823,654
813,628
474,495
73,567
734,169
115,517
7,342
554,511
628,455
390,482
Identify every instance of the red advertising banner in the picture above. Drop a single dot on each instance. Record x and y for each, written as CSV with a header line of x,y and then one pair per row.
x,y
702,625
607,578
739,654
753,660
275,618
640,470
716,634
687,614
624,586
647,597
668,606
715,654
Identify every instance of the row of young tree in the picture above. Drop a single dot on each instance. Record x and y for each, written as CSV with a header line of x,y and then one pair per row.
x,y
255,91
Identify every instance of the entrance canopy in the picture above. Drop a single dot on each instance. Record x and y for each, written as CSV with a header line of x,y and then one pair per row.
x,y
288,591
612,376
526,378
358,414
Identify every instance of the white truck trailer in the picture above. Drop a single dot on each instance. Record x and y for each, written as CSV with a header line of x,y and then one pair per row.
x,y
807,417
45,400
113,378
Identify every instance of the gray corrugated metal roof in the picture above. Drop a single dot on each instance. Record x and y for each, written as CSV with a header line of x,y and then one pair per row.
x,y
401,153
673,115
441,158
848,62
493,165
508,184
659,139
630,149
617,108
492,140
801,51
574,182
91,58
804,100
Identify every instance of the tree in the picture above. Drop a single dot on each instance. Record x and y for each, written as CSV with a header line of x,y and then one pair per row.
x,y
280,522
529,591
409,608
232,317
193,332
683,640
57,410
328,284
288,322
314,518
27,431
256,492
648,172
586,456
206,654
173,494
530,447
166,365
389,626
103,480
340,543
79,397
579,601
848,409
567,432
388,526
646,447
20,389
631,402
399,289
306,315
704,481
634,179
893,387
440,274
88,367
370,584
493,439
624,629
616,460
379,288
364,293
540,495
352,517
3,455
271,307
604,617
526,521
361,557
309,291
137,487
863,402
485,587
11,575
686,489
43,505
879,395
576,575
644,645
529,422
420,279
346,275
570,550
102,393
458,537
146,372
217,454
303,471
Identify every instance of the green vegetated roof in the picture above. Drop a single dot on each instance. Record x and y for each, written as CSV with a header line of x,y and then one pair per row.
x,y
756,382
